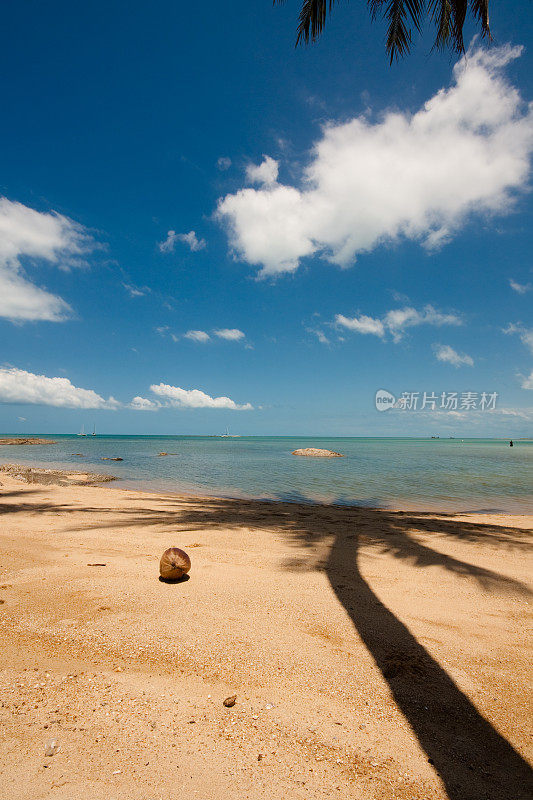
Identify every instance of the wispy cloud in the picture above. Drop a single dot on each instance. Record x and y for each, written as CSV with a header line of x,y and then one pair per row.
x,y
190,239
19,386
197,336
416,176
223,163
443,352
525,334
136,291
400,319
203,337
396,321
521,288
361,324
527,383
320,335
195,398
230,334
493,419
32,236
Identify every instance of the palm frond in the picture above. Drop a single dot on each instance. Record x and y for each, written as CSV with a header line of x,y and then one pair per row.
x,y
398,14
374,6
480,10
312,19
448,16
441,15
460,8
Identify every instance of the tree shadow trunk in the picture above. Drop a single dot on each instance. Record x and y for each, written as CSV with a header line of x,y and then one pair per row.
x,y
472,759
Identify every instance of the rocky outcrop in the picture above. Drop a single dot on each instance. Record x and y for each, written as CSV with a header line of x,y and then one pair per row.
x,y
26,441
54,476
316,452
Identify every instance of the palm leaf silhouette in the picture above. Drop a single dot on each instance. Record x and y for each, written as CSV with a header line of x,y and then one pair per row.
x,y
447,16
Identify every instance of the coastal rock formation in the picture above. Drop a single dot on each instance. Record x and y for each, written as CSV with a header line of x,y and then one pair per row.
x,y
174,564
54,476
316,452
27,441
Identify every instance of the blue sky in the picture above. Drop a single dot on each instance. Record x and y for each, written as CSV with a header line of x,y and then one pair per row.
x,y
356,227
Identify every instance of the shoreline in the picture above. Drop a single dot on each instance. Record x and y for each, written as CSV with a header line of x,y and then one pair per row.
x,y
88,477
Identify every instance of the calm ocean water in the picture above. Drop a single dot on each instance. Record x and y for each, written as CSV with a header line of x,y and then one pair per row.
x,y
447,474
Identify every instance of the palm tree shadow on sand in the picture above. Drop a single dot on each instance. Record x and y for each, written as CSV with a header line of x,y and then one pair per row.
x,y
472,759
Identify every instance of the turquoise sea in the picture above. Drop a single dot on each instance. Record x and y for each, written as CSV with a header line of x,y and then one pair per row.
x,y
407,473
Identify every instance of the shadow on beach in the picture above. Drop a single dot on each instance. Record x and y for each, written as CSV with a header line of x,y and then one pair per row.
x,y
472,759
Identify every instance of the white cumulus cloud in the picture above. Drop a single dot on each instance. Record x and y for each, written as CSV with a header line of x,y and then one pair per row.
x,y
266,172
419,176
28,236
444,352
195,398
397,321
230,334
19,386
143,404
190,239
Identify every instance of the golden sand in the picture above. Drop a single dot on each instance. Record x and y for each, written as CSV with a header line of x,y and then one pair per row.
x,y
374,655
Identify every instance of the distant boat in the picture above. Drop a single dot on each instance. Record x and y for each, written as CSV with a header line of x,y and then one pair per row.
x,y
94,430
229,435
82,431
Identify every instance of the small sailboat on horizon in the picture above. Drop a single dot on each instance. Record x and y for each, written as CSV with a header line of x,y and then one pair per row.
x,y
82,431
229,435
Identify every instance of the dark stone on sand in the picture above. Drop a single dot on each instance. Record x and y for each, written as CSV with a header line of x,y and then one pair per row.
x,y
229,702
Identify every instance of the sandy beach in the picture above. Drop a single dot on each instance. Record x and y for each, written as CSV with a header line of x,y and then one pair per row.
x,y
374,654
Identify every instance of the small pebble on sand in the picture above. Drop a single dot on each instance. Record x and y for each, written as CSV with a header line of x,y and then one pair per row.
x,y
52,747
229,702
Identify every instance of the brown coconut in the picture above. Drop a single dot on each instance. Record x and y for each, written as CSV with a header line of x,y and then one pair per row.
x,y
174,564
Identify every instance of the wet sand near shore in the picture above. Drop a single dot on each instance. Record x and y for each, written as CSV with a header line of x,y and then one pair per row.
x,y
374,654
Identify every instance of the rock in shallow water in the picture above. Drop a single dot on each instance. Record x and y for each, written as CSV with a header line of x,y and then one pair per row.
x,y
316,452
